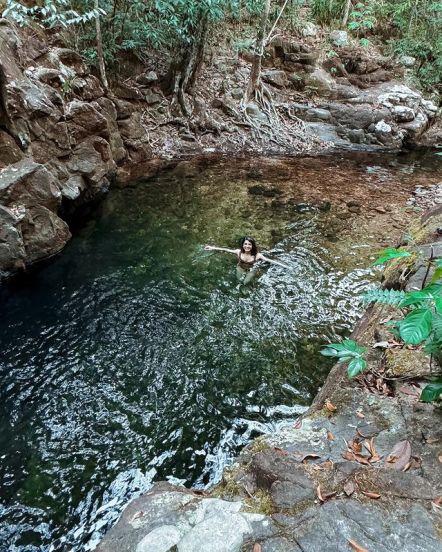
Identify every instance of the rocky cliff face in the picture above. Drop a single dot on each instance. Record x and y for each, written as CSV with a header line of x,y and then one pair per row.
x,y
60,143
63,139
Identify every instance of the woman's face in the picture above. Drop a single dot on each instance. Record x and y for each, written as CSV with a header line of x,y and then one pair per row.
x,y
247,246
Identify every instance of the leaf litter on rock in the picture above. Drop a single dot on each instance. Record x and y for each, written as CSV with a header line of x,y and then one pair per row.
x,y
437,504
330,406
324,496
354,451
371,494
304,456
356,547
349,488
399,457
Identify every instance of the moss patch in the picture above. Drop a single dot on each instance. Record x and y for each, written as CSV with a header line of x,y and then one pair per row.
x,y
406,362
260,503
229,486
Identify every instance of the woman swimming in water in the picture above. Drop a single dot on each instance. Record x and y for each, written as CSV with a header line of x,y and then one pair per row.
x,y
247,256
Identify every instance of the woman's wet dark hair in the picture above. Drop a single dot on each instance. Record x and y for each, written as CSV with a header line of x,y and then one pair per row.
x,y
252,241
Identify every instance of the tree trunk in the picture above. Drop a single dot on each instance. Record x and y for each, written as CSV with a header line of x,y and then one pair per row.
x,y
255,72
100,56
346,13
185,68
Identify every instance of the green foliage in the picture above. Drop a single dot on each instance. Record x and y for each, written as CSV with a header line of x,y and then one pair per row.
x,y
437,275
51,13
432,391
416,326
326,12
362,17
423,323
389,254
347,351
412,27
384,296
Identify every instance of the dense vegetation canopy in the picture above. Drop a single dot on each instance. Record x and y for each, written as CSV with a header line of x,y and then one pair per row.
x,y
176,27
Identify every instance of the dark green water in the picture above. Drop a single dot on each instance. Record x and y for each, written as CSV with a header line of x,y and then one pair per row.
x,y
135,357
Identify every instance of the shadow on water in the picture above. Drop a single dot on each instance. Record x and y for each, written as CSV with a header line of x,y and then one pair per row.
x,y
135,356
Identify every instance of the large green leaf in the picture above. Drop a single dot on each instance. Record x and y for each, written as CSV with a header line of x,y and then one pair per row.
x,y
437,275
356,366
434,289
415,298
389,254
438,304
416,326
345,350
352,346
429,293
432,391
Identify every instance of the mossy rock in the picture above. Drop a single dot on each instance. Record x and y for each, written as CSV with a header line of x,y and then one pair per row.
x,y
407,363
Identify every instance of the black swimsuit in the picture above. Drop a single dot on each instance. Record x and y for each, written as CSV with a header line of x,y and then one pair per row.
x,y
246,264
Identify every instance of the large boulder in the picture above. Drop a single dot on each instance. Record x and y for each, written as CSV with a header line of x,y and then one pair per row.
x,y
92,159
12,251
108,110
339,38
276,78
85,119
9,150
44,233
28,183
320,82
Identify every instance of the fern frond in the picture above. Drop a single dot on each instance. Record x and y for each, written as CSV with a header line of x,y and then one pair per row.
x,y
385,296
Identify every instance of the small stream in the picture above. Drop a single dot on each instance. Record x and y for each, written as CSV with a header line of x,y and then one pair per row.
x,y
136,356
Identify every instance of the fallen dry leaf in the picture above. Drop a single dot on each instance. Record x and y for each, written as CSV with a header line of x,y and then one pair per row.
x,y
360,414
407,391
257,547
328,465
349,488
360,434
356,547
330,406
355,446
437,503
361,459
374,456
440,458
280,451
348,455
432,440
318,492
298,424
302,457
330,436
399,456
370,494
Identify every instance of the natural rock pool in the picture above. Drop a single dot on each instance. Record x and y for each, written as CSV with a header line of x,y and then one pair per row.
x,y
135,356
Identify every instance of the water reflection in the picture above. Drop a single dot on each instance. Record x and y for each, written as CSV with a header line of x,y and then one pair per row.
x,y
135,356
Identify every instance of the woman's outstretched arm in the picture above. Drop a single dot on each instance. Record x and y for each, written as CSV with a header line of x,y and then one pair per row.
x,y
214,248
261,257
